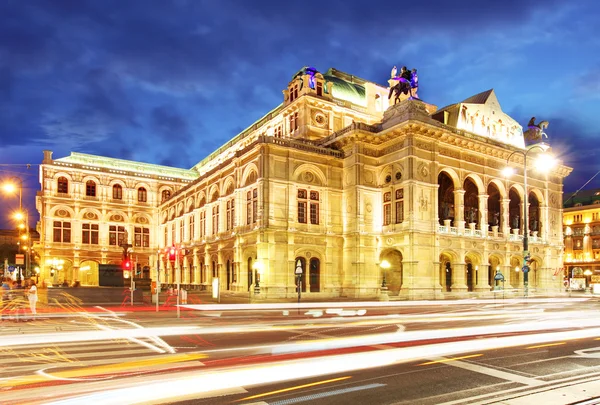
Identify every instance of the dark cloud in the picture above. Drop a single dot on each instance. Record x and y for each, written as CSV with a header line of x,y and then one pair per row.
x,y
170,124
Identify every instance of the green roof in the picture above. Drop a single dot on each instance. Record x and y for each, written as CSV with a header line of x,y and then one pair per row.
x,y
351,90
128,165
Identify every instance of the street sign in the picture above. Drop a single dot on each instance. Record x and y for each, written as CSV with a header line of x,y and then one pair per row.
x,y
11,268
19,259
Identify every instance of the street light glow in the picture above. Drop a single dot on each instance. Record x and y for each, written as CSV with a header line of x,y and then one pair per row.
x,y
9,188
508,171
545,162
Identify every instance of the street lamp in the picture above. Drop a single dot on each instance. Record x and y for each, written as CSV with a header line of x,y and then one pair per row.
x,y
384,265
543,163
55,266
11,188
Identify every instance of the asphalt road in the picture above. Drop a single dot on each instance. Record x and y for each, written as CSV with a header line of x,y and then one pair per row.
x,y
419,354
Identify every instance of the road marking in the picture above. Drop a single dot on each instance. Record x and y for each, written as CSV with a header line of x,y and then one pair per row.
x,y
294,388
495,373
326,394
546,345
451,359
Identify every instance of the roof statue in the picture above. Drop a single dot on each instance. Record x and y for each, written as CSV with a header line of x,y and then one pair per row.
x,y
535,132
407,83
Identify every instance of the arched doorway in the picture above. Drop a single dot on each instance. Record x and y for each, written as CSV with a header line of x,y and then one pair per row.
x,y
315,275
249,273
446,272
514,209
229,277
471,211
445,197
470,276
392,270
534,213
494,217
88,273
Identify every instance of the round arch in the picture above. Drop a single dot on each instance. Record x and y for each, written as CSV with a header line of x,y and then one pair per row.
x,y
83,214
499,186
393,272
306,167
477,181
247,177
69,210
228,186
88,273
453,176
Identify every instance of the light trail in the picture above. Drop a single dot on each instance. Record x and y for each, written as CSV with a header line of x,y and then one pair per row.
x,y
547,345
213,380
297,387
449,360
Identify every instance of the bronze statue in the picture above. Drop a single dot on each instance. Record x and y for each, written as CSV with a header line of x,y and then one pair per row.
x,y
535,132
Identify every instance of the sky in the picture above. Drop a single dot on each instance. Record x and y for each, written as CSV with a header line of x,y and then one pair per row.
x,y
169,81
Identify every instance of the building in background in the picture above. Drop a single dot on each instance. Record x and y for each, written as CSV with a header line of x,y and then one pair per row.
x,y
360,196
581,221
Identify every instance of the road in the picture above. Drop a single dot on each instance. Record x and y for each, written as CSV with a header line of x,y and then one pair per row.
x,y
462,352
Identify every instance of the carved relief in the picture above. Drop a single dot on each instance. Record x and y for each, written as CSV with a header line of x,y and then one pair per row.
x,y
474,159
496,246
369,177
370,152
308,177
450,153
319,119
62,213
424,145
116,218
423,171
553,199
389,241
90,215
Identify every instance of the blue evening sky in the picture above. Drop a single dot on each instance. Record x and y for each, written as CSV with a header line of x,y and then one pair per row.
x,y
169,81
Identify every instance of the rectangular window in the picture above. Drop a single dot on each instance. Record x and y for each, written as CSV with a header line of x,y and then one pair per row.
x,y
173,233
62,232
251,206
89,234
314,213
278,132
116,235
302,212
230,214
215,220
141,237
399,205
319,89
192,225
293,120
181,229
166,236
202,224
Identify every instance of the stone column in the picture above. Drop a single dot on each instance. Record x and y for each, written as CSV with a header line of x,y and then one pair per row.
x,y
483,282
459,210
483,213
505,225
196,265
459,277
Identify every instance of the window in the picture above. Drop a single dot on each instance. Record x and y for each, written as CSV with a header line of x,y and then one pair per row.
x,y
387,208
181,229
230,214
142,195
173,233
62,232
63,185
303,205
116,235
141,237
319,88
399,205
90,188
166,194
192,224
117,192
293,92
251,206
89,234
202,224
278,132
215,220
293,119
314,207
166,236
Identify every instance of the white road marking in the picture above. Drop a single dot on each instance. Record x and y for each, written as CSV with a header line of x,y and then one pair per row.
x,y
493,372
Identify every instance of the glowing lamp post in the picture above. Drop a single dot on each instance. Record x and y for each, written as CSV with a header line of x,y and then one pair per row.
x,y
23,215
544,163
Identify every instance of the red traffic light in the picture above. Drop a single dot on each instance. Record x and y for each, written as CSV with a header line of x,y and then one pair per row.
x,y
126,264
172,253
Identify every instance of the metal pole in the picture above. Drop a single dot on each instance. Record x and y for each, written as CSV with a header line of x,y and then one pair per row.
x,y
157,278
178,277
525,229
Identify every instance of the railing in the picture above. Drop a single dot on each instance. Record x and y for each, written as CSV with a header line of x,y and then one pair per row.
x,y
477,233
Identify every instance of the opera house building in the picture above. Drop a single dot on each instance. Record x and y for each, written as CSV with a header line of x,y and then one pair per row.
x,y
342,189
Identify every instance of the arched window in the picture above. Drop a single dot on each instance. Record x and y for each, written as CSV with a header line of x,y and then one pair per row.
x,y
63,185
117,192
142,195
90,188
166,194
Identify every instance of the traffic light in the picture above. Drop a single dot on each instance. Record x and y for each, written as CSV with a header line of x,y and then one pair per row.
x,y
172,253
126,265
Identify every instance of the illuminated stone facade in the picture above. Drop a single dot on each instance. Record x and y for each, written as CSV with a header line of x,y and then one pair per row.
x,y
334,181
581,220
